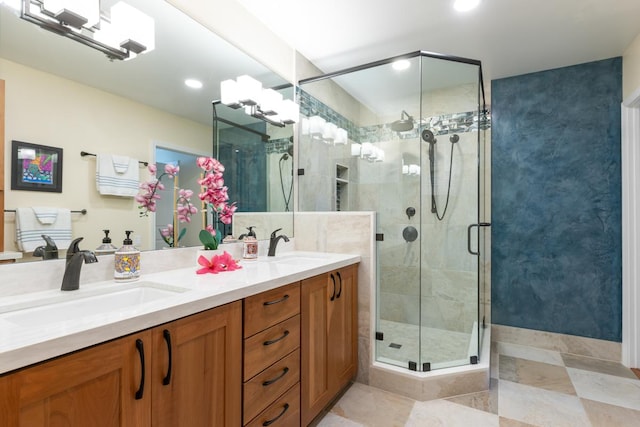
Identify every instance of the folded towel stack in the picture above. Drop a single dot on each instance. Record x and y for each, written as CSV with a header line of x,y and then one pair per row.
x,y
117,175
32,223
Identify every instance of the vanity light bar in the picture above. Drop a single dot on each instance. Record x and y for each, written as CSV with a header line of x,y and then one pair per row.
x,y
117,39
263,104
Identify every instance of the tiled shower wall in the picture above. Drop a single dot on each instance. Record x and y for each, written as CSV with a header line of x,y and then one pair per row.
x,y
448,291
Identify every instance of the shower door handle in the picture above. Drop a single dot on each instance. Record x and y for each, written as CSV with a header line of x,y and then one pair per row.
x,y
481,224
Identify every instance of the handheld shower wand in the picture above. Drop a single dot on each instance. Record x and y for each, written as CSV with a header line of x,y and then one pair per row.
x,y
429,137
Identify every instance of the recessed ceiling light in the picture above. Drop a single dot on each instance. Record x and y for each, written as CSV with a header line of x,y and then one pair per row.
x,y
401,64
193,83
465,5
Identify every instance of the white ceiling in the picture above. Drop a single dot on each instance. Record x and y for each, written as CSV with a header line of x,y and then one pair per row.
x,y
510,37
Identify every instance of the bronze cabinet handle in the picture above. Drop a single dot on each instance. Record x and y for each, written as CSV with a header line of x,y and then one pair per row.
x,y
273,420
277,339
279,377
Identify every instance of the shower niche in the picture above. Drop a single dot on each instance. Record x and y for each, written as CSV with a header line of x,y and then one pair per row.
x,y
342,188
415,138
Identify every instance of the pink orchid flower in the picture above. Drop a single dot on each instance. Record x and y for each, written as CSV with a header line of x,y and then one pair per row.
x,y
205,163
171,170
167,232
217,264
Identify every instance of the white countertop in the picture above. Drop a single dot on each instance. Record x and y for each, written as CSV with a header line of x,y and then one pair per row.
x,y
6,256
23,345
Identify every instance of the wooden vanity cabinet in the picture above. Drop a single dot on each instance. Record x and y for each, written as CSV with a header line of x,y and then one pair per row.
x,y
277,358
329,338
102,385
196,369
92,387
272,358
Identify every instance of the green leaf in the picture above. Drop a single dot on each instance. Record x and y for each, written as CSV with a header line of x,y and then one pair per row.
x,y
208,240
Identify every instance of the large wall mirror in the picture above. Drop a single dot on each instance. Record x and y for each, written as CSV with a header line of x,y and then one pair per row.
x,y
60,93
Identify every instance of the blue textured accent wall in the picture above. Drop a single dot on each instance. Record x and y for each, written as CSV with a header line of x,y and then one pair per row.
x,y
556,200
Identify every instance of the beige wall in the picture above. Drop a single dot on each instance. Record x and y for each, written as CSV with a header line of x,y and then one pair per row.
x,y
44,109
631,69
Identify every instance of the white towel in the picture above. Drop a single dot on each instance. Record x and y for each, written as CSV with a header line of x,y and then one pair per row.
x,y
29,228
117,175
46,215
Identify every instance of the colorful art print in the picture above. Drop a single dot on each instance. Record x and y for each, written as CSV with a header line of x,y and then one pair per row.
x,y
36,167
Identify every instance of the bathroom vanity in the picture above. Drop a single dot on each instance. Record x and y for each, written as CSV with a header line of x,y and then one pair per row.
x,y
270,344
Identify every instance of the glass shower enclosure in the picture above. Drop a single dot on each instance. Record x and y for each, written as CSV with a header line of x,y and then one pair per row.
x,y
405,137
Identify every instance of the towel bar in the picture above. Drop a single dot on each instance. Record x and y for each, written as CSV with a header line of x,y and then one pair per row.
x,y
81,211
84,153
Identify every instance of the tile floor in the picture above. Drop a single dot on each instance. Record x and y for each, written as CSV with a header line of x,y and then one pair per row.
x,y
529,387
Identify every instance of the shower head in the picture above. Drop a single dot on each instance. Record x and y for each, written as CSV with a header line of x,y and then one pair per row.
x,y
287,154
454,138
427,136
404,124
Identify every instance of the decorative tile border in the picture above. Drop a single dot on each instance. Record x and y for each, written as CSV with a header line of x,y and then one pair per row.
x,y
278,146
440,125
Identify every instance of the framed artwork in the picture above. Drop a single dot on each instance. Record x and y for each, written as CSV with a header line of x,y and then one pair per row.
x,y
36,167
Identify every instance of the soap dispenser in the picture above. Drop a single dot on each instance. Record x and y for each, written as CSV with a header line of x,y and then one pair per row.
x,y
251,233
127,261
106,247
249,245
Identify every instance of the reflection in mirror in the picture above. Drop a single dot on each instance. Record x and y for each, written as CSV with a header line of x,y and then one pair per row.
x,y
252,149
168,228
60,93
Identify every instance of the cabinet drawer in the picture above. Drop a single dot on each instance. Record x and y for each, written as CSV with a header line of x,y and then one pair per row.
x,y
266,347
265,387
284,412
268,308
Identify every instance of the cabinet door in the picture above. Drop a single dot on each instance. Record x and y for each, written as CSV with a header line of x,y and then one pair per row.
x,y
314,375
343,328
202,387
92,387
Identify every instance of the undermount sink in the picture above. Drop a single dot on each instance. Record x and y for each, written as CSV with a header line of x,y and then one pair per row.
x,y
72,305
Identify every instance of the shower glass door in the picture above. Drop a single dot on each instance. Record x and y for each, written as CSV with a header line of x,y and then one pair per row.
x,y
412,157
449,212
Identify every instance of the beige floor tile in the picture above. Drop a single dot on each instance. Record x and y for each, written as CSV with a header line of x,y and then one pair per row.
x,y
540,407
604,388
597,365
605,415
333,420
530,353
484,401
536,374
448,414
495,355
507,422
373,407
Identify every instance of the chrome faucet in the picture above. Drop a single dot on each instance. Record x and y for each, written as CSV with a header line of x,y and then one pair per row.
x,y
273,242
75,258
